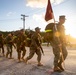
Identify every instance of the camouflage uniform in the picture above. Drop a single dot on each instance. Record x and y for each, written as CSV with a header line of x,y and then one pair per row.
x,y
20,43
2,43
35,47
62,38
9,44
56,50
57,46
61,46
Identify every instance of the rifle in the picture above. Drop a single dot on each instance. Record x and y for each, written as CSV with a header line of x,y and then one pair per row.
x,y
41,49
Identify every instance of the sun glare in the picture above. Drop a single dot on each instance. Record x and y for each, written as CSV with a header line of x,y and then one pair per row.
x,y
71,29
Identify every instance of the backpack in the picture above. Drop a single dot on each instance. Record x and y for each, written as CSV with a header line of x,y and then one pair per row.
x,y
49,30
29,38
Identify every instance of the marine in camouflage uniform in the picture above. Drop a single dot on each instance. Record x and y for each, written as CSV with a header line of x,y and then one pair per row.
x,y
54,39
35,46
2,43
20,43
9,44
62,38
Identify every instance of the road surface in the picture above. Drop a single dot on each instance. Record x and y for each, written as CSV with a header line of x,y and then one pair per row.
x,y
12,67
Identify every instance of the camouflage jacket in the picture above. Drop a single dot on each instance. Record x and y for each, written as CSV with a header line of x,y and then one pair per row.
x,y
35,40
20,39
61,30
1,40
8,40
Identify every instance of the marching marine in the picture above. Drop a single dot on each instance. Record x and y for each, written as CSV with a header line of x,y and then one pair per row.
x,y
20,44
35,46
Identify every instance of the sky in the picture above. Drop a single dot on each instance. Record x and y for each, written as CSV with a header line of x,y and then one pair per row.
x,y
11,10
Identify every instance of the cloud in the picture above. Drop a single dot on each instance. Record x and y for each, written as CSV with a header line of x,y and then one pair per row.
x,y
40,22
58,1
36,3
38,17
11,13
41,3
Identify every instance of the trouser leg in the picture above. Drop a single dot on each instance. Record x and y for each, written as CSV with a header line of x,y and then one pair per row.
x,y
56,53
63,54
24,52
31,54
8,51
38,55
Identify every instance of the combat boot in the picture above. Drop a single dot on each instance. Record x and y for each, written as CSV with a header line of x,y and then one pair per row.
x,y
3,54
19,60
7,55
57,69
10,57
39,64
23,58
26,60
61,67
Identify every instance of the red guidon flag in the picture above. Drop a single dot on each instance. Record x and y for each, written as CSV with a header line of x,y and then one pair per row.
x,y
49,12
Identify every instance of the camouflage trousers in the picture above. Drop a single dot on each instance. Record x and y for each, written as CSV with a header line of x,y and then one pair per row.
x,y
32,52
58,54
9,50
21,52
2,47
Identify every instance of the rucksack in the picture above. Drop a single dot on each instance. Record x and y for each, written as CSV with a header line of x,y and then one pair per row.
x,y
49,30
29,38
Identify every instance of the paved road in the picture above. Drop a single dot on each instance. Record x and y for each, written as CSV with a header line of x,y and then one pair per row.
x,y
12,67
